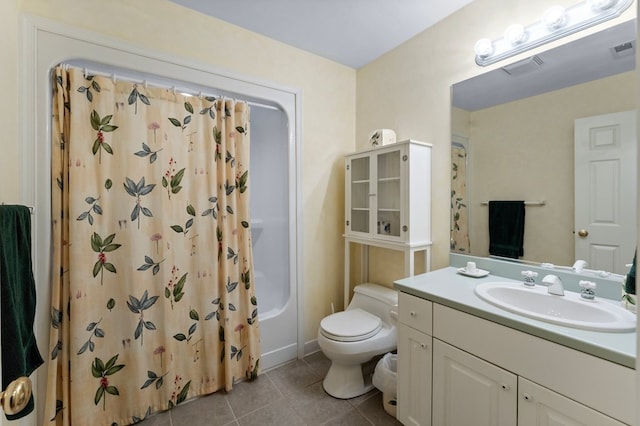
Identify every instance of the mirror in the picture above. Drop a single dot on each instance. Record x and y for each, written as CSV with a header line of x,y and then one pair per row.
x,y
513,139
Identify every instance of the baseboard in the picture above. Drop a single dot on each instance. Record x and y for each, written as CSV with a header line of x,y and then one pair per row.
x,y
311,347
273,359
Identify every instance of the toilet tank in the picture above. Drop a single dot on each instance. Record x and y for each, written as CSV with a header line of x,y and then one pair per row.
x,y
375,299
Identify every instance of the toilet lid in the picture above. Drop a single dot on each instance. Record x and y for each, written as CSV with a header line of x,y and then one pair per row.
x,y
350,326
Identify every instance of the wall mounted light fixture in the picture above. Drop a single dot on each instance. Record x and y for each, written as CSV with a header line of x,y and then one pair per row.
x,y
556,22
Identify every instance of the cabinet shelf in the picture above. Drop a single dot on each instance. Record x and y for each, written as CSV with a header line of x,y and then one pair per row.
x,y
389,179
356,182
360,209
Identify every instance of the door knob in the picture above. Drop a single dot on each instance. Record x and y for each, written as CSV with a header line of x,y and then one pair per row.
x,y
583,233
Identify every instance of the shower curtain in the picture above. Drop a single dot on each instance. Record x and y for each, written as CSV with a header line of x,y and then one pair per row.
x,y
153,299
459,208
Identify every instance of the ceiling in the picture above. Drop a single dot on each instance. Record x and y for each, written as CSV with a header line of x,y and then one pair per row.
x,y
351,32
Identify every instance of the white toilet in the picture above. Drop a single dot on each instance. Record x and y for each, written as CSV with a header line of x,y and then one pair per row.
x,y
350,338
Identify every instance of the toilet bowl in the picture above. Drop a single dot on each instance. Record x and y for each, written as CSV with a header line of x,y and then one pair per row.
x,y
349,339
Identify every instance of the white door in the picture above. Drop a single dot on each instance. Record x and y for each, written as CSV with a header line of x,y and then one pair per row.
x,y
470,391
414,377
605,190
539,406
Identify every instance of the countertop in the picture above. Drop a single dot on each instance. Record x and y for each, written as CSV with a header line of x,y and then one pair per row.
x,y
447,287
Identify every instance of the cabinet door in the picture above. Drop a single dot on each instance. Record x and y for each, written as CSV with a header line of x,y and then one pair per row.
x,y
389,193
540,406
358,197
471,391
414,377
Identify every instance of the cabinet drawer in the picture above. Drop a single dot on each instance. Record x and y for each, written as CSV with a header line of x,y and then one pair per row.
x,y
416,312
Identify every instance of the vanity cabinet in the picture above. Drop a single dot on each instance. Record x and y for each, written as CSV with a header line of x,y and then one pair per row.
x,y
475,371
491,395
415,354
388,193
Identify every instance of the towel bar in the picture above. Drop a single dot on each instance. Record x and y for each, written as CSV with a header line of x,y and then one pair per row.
x,y
526,203
31,208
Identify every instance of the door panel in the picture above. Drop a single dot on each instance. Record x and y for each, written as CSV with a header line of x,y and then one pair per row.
x,y
605,188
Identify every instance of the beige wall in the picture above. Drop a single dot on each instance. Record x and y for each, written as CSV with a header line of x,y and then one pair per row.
x,y
408,90
328,113
460,122
524,150
9,89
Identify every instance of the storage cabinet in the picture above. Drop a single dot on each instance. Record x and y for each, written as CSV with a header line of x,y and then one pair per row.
x,y
415,354
470,391
388,203
388,193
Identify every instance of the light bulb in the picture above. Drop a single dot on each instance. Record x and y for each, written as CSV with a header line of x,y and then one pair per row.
x,y
483,48
515,34
555,17
599,5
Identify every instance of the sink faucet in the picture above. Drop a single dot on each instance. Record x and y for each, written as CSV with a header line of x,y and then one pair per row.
x,y
554,284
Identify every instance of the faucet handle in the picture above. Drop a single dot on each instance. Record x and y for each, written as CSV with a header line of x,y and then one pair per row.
x,y
587,290
529,278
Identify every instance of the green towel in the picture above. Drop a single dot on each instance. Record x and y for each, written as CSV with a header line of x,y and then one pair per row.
x,y
506,228
630,283
20,355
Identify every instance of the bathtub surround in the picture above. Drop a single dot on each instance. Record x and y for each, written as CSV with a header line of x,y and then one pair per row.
x,y
155,300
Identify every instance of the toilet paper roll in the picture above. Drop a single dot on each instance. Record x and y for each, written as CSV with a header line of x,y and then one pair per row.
x,y
381,137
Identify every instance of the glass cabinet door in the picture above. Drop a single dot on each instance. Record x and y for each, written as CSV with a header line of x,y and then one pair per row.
x,y
360,200
388,191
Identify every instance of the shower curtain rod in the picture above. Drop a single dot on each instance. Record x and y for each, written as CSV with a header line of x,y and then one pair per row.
x,y
175,88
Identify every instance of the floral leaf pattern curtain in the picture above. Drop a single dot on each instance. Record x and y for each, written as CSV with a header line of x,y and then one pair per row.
x,y
153,297
459,208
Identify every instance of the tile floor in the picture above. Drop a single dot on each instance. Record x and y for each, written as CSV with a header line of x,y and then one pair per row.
x,y
288,395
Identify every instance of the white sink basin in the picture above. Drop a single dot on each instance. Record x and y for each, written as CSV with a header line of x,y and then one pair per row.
x,y
569,310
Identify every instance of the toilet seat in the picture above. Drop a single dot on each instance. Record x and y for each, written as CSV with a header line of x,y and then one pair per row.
x,y
352,325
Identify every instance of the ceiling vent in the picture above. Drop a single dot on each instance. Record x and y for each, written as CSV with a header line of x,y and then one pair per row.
x,y
624,49
524,66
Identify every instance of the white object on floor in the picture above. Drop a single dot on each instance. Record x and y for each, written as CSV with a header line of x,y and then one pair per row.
x,y
351,338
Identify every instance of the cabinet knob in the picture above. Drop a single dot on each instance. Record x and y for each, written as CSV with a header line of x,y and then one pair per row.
x,y
412,313
527,397
405,228
405,158
423,345
505,387
347,223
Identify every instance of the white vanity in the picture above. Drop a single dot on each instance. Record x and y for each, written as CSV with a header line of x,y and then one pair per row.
x,y
463,361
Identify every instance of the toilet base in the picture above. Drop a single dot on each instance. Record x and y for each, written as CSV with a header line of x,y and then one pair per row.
x,y
346,381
